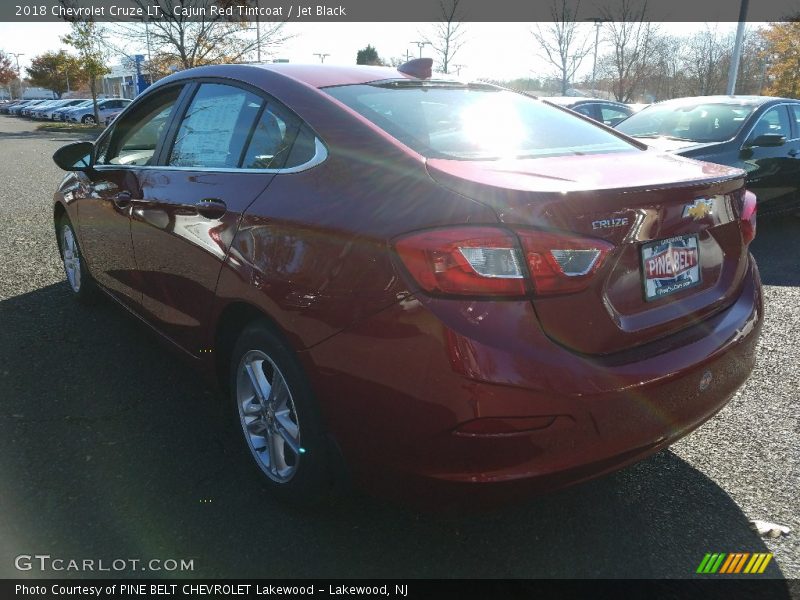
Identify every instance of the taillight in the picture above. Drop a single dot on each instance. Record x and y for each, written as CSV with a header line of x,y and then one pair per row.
x,y
748,217
466,260
488,261
562,263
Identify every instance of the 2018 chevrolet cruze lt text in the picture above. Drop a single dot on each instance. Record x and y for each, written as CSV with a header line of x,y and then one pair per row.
x,y
435,281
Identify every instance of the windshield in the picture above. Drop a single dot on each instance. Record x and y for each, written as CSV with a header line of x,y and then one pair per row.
x,y
475,122
702,122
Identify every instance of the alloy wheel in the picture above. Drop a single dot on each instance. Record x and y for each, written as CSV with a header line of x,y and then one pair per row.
x,y
71,257
268,416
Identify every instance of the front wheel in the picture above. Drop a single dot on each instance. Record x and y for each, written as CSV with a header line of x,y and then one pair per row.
x,y
278,417
78,277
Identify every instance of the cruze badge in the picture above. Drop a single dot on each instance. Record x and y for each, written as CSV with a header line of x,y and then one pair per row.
x,y
609,223
699,209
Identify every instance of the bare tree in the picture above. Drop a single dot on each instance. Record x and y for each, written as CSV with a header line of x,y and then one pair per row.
x,y
563,44
448,33
703,56
183,41
631,38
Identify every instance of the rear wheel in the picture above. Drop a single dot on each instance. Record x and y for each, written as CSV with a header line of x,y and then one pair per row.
x,y
277,417
80,281
88,120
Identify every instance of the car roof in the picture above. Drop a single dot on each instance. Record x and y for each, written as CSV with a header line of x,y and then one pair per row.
x,y
737,100
314,75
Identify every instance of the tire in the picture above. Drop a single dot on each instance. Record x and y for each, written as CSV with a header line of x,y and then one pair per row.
x,y
88,120
79,280
284,437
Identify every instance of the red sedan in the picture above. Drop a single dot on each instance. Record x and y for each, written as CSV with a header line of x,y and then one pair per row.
x,y
417,277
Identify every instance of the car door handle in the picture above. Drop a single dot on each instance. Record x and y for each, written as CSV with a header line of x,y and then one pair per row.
x,y
211,208
122,199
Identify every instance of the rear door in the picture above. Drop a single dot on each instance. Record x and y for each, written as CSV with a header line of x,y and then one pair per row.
x,y
224,151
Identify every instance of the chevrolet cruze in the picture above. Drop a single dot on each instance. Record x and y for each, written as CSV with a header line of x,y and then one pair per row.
x,y
423,279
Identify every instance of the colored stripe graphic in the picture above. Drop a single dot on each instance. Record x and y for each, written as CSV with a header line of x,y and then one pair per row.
x,y
722,563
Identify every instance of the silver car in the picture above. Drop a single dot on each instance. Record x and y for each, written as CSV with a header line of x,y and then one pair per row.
x,y
104,107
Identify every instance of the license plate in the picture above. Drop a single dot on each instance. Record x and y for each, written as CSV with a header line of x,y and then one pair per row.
x,y
669,266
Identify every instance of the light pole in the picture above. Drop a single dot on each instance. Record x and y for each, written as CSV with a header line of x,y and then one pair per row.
x,y
421,45
733,71
258,32
16,55
321,56
597,23
458,70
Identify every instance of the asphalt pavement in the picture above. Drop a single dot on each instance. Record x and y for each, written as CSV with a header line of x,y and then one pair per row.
x,y
111,449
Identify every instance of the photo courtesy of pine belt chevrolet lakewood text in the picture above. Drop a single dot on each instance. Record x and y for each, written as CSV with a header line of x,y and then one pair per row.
x,y
396,276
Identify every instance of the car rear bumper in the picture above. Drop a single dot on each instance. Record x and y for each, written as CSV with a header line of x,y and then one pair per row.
x,y
396,387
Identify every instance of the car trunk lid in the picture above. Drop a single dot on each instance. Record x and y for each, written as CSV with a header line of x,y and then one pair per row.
x,y
673,223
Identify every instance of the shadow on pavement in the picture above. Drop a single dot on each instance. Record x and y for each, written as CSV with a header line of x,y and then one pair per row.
x,y
111,448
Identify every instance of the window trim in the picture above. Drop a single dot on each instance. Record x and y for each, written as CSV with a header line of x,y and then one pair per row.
x,y
190,87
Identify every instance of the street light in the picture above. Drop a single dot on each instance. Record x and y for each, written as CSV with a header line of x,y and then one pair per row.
x,y
597,23
16,55
321,55
733,71
458,69
421,45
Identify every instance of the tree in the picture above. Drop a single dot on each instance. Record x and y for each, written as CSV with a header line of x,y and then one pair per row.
x,y
448,34
631,38
368,56
7,72
562,43
782,50
86,38
185,41
56,71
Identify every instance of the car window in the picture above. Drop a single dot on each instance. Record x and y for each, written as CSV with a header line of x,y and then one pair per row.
x,y
279,140
215,128
701,122
775,120
475,122
611,115
136,137
585,109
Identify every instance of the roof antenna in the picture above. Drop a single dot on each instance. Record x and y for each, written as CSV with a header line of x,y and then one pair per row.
x,y
421,68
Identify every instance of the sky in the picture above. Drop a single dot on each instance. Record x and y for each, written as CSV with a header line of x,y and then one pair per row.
x,y
500,51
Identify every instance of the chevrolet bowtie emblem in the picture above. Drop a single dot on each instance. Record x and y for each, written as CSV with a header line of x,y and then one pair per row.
x,y
699,209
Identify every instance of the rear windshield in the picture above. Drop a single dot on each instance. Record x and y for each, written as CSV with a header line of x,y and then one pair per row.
x,y
475,122
701,122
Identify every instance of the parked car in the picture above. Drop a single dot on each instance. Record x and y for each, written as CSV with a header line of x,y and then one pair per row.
x,y
33,112
759,134
17,110
607,112
48,112
5,108
113,115
60,114
26,111
105,107
443,282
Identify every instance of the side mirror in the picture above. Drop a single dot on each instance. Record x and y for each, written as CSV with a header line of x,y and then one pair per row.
x,y
75,157
768,140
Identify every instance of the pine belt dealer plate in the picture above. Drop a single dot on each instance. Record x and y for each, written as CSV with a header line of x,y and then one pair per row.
x,y
669,266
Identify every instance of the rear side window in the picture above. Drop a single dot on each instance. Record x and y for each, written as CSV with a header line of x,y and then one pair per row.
x,y
215,128
475,122
611,115
279,140
794,110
